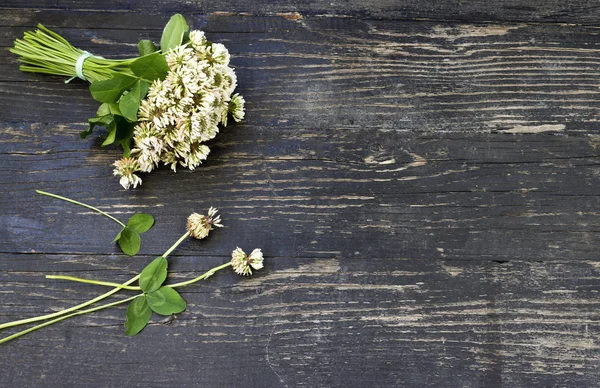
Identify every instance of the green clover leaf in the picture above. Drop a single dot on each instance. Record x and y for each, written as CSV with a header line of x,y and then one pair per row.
x,y
154,275
173,33
165,301
138,314
129,241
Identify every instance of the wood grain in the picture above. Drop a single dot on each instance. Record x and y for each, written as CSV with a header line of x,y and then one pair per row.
x,y
425,192
329,322
572,11
419,77
335,192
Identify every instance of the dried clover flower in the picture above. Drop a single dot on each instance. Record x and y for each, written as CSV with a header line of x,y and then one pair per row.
x,y
200,225
243,264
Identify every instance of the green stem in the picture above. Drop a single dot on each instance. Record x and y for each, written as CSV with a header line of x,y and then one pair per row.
x,y
69,310
81,204
207,274
44,51
181,239
91,301
34,328
201,277
97,282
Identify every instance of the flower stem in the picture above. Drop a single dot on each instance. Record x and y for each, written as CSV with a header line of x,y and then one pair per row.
x,y
69,310
206,275
34,328
181,239
91,301
45,51
81,204
97,282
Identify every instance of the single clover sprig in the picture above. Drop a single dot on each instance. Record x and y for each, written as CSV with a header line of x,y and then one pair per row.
x,y
163,299
156,296
129,239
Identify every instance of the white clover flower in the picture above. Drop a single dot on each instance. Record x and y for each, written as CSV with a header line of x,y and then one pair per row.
x,y
185,109
236,107
196,154
243,264
126,169
219,54
203,127
200,225
179,56
197,39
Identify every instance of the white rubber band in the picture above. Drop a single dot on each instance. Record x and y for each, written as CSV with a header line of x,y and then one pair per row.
x,y
79,64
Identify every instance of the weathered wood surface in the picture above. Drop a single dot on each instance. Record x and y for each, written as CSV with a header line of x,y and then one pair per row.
x,y
562,11
409,76
425,193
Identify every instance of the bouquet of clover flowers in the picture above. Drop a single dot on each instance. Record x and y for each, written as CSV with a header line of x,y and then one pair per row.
x,y
153,295
160,107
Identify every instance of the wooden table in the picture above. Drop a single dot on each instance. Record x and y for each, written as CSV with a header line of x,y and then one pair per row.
x,y
422,176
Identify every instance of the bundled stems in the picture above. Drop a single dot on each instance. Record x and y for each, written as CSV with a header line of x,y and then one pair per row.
x,y
162,106
44,51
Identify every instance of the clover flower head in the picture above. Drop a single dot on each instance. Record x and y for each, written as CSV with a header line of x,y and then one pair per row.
x,y
236,107
219,54
185,110
200,225
126,169
243,264
197,39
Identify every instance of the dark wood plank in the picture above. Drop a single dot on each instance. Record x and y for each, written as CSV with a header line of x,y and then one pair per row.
x,y
573,11
421,77
322,323
336,192
425,193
